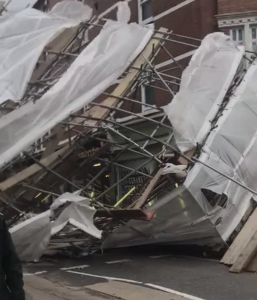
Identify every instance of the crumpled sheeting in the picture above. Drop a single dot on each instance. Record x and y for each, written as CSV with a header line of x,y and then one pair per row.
x,y
68,197
32,236
231,148
178,219
78,214
23,37
178,170
204,85
94,70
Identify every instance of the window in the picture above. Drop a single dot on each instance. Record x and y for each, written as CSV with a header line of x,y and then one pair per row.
x,y
147,90
237,36
149,95
96,5
145,11
254,38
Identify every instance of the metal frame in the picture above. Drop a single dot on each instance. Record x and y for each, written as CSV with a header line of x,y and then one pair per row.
x,y
49,78
79,136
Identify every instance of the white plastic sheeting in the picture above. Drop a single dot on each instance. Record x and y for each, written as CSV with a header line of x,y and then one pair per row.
x,y
95,69
23,37
232,149
32,236
204,84
179,171
187,215
78,213
123,13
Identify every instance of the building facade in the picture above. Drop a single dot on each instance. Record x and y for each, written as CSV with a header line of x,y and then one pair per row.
x,y
189,20
239,20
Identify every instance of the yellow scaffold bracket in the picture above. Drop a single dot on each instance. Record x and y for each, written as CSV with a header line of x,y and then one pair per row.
x,y
125,197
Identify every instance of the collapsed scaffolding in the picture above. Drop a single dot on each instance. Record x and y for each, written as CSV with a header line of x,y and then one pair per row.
x,y
85,153
29,182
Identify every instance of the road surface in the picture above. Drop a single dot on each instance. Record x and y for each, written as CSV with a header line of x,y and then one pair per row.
x,y
120,272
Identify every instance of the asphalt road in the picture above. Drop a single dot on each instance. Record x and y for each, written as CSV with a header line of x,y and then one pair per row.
x,y
206,279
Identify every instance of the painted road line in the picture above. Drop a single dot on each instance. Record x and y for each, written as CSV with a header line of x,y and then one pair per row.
x,y
160,256
34,274
173,292
154,286
105,277
117,261
184,256
199,258
75,268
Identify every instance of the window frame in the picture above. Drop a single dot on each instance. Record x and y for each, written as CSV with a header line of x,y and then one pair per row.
x,y
143,93
140,13
237,41
254,40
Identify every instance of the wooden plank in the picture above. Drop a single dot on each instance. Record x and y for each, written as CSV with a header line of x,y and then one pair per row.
x,y
32,170
141,201
246,256
189,154
252,267
96,112
125,84
243,238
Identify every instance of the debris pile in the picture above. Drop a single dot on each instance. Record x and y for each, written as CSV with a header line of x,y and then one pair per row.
x,y
99,168
32,236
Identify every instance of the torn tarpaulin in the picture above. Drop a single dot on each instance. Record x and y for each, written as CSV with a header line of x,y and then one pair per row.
x,y
97,67
204,85
78,213
230,148
32,236
23,37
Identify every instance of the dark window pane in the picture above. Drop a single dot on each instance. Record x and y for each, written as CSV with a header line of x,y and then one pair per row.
x,y
147,10
149,95
254,33
240,34
234,34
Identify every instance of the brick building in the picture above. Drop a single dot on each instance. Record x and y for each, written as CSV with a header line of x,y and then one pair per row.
x,y
238,18
191,18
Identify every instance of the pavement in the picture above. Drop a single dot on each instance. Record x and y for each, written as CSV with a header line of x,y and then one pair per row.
x,y
134,275
42,289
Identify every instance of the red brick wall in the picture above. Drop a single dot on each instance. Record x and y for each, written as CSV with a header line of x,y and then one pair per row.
x,y
52,3
235,6
196,20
